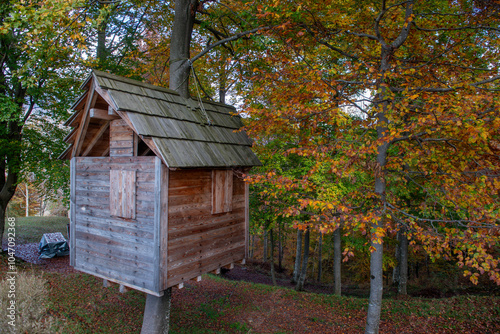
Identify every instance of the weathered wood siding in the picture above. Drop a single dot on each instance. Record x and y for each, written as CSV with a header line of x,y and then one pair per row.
x,y
121,139
199,241
115,248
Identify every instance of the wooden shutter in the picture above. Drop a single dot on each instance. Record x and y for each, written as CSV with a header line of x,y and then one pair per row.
x,y
222,191
122,193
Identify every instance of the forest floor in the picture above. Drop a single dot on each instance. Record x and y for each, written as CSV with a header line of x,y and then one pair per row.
x,y
243,301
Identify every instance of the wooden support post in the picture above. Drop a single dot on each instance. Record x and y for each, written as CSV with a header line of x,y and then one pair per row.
x,y
157,313
123,288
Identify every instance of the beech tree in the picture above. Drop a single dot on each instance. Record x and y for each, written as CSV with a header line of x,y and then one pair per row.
x,y
37,52
421,77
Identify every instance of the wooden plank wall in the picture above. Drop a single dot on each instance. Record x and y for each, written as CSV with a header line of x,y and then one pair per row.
x,y
121,139
199,241
107,246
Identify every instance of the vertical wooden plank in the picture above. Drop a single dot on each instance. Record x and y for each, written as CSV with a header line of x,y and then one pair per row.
x,y
164,227
114,193
247,217
228,191
128,193
222,191
72,212
122,195
157,224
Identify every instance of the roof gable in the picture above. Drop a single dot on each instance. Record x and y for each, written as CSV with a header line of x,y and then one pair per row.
x,y
183,132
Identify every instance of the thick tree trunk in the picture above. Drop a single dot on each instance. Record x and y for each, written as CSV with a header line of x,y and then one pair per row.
x,y
7,190
273,273
403,261
185,11
157,314
320,251
298,256
303,271
337,261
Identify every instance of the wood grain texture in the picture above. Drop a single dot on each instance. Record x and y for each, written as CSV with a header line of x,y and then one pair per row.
x,y
116,248
72,214
122,196
200,241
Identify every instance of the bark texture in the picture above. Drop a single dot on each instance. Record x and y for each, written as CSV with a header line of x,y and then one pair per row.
x,y
185,11
337,261
298,257
305,260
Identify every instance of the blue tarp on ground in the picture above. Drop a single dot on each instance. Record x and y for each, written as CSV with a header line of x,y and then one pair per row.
x,y
53,244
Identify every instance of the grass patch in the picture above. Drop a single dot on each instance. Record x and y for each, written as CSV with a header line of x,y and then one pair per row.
x,y
31,229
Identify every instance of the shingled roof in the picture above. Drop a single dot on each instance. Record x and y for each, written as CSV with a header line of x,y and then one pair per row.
x,y
185,133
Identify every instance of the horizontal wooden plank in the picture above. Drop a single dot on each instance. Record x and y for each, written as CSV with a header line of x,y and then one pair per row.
x,y
104,225
186,252
190,190
109,242
126,238
121,144
192,221
109,273
204,266
187,237
135,287
127,261
116,251
199,198
143,224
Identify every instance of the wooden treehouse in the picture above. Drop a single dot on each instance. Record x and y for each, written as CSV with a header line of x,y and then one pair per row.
x,y
156,191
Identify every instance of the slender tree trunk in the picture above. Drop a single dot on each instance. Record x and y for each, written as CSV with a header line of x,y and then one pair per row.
x,y
397,254
337,261
273,273
265,246
252,244
320,250
298,255
27,200
303,271
185,11
280,248
403,261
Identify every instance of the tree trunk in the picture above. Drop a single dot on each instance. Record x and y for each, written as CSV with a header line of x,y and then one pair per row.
x,y
252,245
337,261
157,313
273,273
397,254
185,11
265,246
320,250
280,249
303,271
27,200
7,190
298,255
403,261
